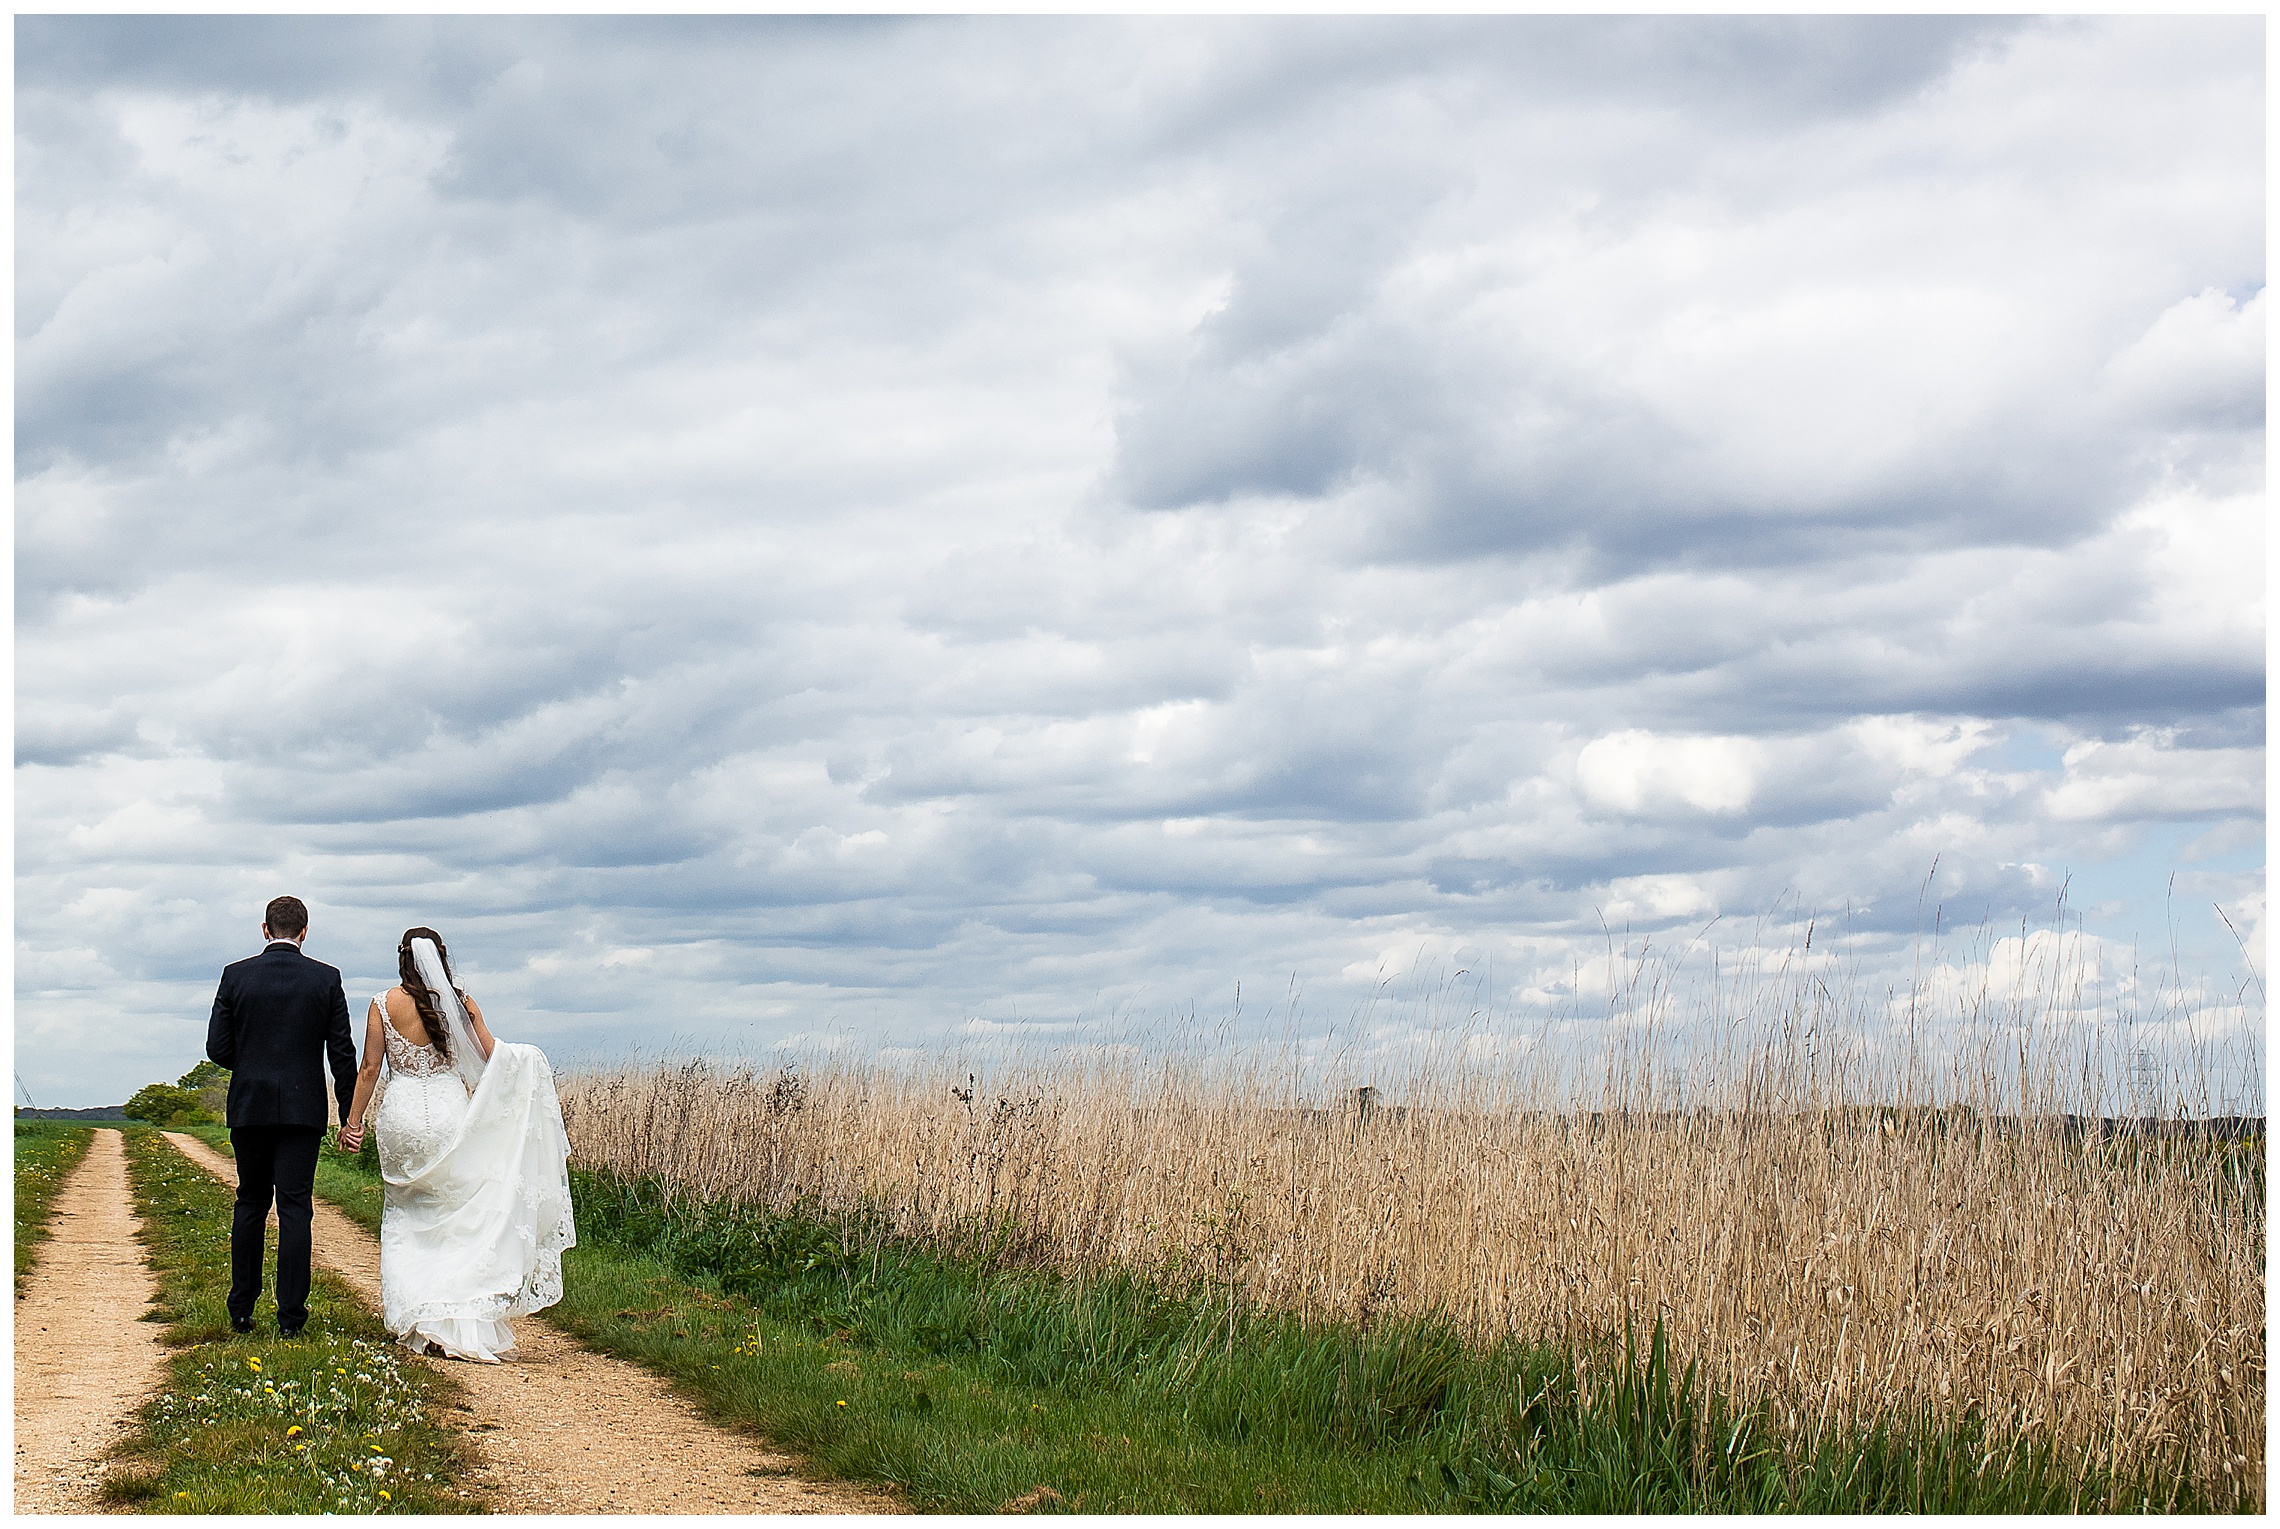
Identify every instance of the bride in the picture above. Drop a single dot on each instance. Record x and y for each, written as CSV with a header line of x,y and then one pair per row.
x,y
472,1150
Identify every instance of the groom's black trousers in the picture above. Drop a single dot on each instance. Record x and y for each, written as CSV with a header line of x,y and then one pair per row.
x,y
278,1161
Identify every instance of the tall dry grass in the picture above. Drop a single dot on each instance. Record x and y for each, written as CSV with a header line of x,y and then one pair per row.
x,y
1846,1232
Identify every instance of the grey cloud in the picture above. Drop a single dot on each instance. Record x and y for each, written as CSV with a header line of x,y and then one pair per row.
x,y
758,526
286,57
1511,437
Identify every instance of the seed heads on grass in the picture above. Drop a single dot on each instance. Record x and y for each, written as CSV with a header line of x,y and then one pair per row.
x,y
1843,1244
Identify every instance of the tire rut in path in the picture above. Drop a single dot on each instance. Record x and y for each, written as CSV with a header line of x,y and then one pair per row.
x,y
85,1359
564,1430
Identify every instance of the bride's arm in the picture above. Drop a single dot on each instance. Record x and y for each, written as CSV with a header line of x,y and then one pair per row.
x,y
367,1075
482,1036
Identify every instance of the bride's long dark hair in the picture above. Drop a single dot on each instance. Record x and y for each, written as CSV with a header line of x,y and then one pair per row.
x,y
429,1004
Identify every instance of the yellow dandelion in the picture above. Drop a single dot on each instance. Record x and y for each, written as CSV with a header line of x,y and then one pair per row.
x,y
842,1403
373,1447
253,1365
384,1497
296,1428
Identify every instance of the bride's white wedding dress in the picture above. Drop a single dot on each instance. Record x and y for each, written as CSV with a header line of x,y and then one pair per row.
x,y
477,1211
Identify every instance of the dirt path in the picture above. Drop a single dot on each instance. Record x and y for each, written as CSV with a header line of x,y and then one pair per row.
x,y
84,1357
562,1430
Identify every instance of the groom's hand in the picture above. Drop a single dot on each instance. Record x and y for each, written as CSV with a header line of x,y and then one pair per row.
x,y
350,1142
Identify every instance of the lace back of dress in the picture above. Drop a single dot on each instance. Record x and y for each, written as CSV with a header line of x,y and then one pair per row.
x,y
407,1056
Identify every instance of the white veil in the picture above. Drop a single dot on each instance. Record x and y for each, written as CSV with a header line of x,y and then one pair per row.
x,y
466,1055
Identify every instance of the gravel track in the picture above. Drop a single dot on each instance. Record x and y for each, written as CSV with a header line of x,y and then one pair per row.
x,y
85,1359
564,1430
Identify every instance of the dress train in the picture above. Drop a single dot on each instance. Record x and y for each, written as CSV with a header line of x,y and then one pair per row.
x,y
477,1210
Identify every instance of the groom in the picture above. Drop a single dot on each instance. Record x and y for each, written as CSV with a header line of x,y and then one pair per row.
x,y
277,1016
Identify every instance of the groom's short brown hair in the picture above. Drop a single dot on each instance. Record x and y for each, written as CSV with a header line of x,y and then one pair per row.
x,y
286,917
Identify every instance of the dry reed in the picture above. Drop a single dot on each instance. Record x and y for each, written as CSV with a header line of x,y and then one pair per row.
x,y
1844,1238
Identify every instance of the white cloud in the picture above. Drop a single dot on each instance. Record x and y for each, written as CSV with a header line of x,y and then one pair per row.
x,y
1657,899
1637,773
2145,776
769,527
2203,357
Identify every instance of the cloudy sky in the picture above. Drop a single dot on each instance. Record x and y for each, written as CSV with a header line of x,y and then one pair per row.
x,y
774,532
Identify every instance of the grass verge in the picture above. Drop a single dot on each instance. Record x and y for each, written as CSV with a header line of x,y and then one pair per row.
x,y
336,1420
46,1152
972,1384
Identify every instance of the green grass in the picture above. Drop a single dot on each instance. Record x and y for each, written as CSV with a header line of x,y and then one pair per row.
x,y
46,1152
968,1382
337,1420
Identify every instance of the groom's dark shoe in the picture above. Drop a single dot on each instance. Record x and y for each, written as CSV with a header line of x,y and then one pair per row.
x,y
291,1332
241,1324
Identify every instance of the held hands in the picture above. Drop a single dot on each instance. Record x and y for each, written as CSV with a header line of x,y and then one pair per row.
x,y
351,1140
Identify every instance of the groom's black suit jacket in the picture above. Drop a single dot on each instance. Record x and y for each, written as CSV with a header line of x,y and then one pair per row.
x,y
276,1017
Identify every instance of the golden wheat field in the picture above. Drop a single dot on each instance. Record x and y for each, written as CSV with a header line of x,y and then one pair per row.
x,y
1844,1243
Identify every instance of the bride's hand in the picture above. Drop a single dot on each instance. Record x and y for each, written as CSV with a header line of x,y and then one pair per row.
x,y
351,1141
